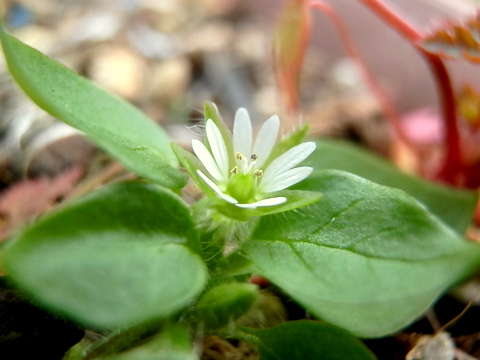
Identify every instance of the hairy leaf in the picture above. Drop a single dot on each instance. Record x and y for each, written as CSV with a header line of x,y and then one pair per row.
x,y
125,254
366,257
172,343
113,124
225,303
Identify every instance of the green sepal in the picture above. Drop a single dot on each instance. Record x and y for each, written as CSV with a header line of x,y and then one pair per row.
x,y
290,141
295,200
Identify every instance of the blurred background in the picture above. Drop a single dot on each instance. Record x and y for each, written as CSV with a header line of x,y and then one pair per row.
x,y
169,56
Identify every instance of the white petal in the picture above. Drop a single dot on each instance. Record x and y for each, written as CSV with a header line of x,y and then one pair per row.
x,y
266,138
288,160
266,202
286,179
242,133
217,144
215,188
207,160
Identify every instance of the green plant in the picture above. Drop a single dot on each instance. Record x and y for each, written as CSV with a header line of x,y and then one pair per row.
x,y
367,257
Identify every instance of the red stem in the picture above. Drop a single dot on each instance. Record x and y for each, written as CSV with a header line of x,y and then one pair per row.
x,y
369,79
453,161
394,20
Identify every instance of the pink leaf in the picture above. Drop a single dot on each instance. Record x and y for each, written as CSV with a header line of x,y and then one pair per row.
x,y
24,201
289,45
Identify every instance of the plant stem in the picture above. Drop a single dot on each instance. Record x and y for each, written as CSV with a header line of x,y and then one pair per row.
x,y
394,20
453,162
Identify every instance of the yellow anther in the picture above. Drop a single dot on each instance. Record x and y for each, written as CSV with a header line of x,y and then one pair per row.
x,y
234,171
258,173
238,156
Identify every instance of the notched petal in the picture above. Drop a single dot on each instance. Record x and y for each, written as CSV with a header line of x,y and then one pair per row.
x,y
215,188
286,179
288,160
242,133
220,172
266,202
207,160
217,144
266,138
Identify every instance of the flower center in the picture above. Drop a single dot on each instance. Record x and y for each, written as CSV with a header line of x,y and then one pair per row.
x,y
244,178
245,165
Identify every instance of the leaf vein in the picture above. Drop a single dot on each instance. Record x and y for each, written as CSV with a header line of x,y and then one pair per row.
x,y
290,243
335,216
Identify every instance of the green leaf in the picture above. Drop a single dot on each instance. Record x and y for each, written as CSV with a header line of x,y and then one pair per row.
x,y
120,339
225,303
125,254
367,258
305,340
455,207
234,264
173,343
113,124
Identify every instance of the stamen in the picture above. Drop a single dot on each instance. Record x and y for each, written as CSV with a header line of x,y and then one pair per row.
x,y
258,173
238,156
249,168
254,157
234,171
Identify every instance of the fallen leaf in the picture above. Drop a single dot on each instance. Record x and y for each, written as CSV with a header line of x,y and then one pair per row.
x,y
455,40
25,200
433,347
469,106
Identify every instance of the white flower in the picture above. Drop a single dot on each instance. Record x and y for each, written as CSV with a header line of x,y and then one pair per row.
x,y
238,175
